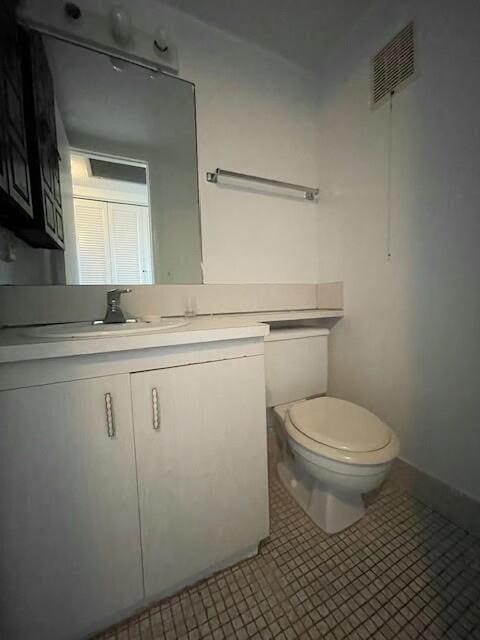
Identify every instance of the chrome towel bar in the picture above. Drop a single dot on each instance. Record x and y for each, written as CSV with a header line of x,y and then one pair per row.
x,y
310,193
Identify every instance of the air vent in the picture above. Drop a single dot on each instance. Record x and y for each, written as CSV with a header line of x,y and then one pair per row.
x,y
393,65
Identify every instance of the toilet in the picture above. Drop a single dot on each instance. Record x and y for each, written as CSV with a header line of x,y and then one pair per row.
x,y
331,451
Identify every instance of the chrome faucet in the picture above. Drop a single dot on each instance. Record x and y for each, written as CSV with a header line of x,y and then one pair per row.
x,y
114,313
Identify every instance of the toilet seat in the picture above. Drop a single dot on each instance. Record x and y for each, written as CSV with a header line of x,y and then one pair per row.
x,y
340,424
319,418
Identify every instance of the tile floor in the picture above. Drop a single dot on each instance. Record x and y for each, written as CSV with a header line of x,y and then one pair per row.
x,y
404,572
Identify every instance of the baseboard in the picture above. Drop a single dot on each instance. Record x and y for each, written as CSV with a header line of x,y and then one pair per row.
x,y
453,504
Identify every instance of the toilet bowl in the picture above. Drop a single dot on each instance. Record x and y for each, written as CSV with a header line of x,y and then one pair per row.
x,y
332,452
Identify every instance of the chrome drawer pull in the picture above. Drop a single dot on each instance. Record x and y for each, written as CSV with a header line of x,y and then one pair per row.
x,y
111,432
155,410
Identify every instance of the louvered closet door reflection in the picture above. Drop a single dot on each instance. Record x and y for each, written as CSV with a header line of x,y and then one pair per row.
x,y
93,246
113,242
129,243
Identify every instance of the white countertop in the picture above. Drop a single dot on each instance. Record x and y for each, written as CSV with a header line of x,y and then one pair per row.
x,y
16,345
288,316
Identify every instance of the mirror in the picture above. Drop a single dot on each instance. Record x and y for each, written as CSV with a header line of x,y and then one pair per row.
x,y
128,171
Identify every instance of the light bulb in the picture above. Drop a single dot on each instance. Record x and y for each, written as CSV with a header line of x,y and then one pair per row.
x,y
121,25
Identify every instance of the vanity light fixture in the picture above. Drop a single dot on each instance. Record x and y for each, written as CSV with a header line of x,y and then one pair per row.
x,y
113,34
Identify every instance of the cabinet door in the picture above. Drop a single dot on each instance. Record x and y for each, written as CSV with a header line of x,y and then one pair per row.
x,y
70,543
43,149
3,135
14,172
200,438
4,26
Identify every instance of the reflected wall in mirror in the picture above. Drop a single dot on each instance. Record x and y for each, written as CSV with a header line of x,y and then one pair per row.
x,y
126,139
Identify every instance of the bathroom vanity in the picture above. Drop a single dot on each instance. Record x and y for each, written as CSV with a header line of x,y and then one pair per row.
x,y
131,466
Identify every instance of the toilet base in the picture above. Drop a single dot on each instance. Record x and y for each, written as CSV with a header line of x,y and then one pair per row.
x,y
331,511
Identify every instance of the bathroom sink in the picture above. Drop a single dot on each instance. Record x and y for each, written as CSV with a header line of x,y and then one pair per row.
x,y
89,330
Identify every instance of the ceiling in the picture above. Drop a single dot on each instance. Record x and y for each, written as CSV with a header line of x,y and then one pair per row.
x,y
302,31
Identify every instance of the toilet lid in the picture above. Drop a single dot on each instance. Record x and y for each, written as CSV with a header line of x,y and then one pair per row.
x,y
340,424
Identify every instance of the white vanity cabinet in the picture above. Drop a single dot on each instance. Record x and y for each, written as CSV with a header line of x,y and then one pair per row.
x,y
69,539
201,466
124,476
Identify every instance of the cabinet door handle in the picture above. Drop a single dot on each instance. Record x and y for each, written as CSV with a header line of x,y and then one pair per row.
x,y
111,431
155,410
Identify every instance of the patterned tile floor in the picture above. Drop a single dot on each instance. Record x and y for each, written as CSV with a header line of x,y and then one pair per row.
x,y
403,571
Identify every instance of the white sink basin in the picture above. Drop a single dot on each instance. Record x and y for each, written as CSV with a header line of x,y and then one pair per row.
x,y
89,330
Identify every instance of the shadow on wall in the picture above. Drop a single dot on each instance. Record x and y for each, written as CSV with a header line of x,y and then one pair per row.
x,y
409,346
437,155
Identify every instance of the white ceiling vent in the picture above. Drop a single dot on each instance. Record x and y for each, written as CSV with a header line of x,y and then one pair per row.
x,y
393,65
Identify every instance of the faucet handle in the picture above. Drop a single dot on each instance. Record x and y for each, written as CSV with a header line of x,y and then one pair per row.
x,y
113,296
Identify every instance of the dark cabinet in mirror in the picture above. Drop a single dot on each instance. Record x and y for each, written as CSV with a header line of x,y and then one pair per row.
x,y
15,188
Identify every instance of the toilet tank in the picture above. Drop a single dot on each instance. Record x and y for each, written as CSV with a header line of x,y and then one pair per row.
x,y
296,362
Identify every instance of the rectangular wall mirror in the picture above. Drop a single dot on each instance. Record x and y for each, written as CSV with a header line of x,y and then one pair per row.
x,y
127,171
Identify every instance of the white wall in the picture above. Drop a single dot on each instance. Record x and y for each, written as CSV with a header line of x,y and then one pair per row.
x,y
256,114
30,266
409,347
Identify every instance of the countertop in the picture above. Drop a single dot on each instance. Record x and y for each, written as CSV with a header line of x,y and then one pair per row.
x,y
288,316
16,345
